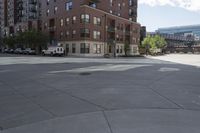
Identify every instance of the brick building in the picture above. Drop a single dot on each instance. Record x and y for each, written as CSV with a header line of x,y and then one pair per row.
x,y
91,27
19,15
83,27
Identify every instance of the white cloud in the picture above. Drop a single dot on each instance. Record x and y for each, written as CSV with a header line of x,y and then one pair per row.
x,y
192,5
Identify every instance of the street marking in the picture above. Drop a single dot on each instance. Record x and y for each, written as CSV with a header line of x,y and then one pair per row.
x,y
4,71
107,67
168,69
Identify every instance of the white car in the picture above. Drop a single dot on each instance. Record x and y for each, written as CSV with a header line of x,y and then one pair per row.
x,y
53,51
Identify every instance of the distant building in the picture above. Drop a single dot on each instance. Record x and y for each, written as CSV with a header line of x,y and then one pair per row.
x,y
191,31
19,15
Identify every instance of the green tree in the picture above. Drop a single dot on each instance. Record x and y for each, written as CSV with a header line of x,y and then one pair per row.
x,y
9,41
151,43
160,41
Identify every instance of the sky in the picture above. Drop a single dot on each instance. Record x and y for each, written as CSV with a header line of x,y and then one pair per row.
x,y
156,14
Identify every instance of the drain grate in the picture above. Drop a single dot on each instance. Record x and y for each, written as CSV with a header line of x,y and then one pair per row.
x,y
84,73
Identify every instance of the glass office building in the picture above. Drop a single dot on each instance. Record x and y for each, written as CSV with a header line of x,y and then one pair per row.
x,y
182,30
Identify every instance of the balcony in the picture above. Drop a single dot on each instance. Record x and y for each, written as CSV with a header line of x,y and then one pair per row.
x,y
111,41
33,9
111,29
33,2
52,28
20,7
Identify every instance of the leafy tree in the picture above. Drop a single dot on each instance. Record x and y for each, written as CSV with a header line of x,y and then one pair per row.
x,y
10,41
151,43
33,39
160,41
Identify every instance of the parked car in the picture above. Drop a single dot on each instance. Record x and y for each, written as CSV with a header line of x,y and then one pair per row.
x,y
6,50
11,51
53,50
29,51
18,51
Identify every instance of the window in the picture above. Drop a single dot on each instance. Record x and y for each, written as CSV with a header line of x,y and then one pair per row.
x,y
61,35
85,48
130,11
85,33
61,22
110,49
117,48
73,33
67,48
67,21
130,2
67,34
47,13
55,9
97,48
73,48
48,2
73,19
93,4
85,18
68,5
121,49
96,34
97,21
45,25
119,5
111,2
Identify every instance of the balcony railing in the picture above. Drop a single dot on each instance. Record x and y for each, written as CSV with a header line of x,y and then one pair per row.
x,y
111,29
52,28
33,2
111,41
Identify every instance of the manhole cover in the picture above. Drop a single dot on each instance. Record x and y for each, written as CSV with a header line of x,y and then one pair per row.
x,y
85,74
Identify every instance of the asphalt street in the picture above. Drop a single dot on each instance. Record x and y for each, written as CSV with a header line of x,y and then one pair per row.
x,y
96,95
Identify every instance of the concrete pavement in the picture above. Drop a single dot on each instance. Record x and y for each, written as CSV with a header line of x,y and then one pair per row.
x,y
80,95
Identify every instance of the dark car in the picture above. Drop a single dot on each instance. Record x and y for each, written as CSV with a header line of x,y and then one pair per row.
x,y
29,51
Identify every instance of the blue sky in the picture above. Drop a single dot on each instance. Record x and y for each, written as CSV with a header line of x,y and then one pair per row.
x,y
157,15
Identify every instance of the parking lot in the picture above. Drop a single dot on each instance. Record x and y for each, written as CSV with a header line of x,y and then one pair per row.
x,y
96,95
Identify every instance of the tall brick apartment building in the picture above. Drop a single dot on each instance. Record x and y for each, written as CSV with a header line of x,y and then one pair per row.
x,y
92,27
19,15
83,27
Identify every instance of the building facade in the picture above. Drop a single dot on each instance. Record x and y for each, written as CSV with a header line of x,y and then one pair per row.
x,y
19,15
90,27
191,31
83,27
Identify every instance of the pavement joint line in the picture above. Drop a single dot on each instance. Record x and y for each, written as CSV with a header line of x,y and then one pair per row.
x,y
107,121
29,99
168,99
178,105
84,100
81,99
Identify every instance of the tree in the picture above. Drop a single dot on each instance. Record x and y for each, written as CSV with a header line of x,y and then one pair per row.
x,y
9,41
160,41
152,43
28,39
126,48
